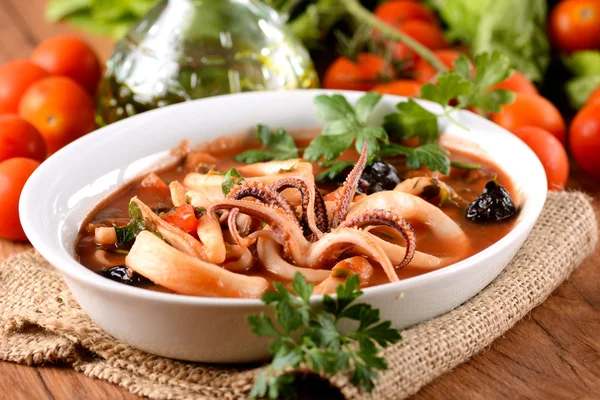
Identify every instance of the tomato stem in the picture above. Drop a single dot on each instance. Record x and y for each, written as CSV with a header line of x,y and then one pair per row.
x,y
365,16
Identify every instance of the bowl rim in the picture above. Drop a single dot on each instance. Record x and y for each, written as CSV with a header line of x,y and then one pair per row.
x,y
71,268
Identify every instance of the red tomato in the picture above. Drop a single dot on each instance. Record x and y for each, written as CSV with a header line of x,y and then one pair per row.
x,y
429,35
424,72
594,97
551,153
361,75
15,77
518,83
575,25
60,109
13,175
69,56
532,110
18,138
396,12
584,139
184,218
400,87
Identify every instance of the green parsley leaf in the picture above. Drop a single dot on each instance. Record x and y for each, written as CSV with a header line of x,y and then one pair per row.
x,y
432,155
490,69
317,342
492,101
449,86
333,107
232,178
280,145
373,135
134,210
412,120
328,147
334,169
346,126
302,288
365,105
130,231
463,67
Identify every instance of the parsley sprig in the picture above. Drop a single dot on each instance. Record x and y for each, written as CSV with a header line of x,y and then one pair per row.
x,y
277,145
127,233
462,85
347,126
309,338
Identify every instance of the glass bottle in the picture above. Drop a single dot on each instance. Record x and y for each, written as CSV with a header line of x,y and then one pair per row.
x,y
189,49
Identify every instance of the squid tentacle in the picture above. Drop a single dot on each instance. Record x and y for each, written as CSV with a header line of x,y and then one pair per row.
x,y
392,220
344,197
264,194
314,212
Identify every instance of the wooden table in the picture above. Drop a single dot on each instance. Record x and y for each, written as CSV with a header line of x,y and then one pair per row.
x,y
553,353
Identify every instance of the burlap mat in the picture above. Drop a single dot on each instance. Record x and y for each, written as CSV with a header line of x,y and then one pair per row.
x,y
42,323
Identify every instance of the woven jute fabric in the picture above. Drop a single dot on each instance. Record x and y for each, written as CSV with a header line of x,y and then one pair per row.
x,y
41,323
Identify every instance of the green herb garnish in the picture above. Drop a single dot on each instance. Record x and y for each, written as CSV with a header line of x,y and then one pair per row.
x,y
346,126
232,178
469,90
199,211
431,155
309,338
456,164
134,211
334,168
279,144
130,231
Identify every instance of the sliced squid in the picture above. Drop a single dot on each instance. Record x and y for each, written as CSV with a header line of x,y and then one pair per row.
x,y
412,207
175,236
166,266
210,185
177,193
238,259
105,235
269,254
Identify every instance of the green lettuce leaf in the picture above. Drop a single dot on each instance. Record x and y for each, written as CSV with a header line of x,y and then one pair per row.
x,y
515,28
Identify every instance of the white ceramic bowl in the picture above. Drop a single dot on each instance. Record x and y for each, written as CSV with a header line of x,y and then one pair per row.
x,y
69,184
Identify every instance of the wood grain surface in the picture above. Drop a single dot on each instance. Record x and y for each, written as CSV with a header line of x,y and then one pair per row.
x,y
554,353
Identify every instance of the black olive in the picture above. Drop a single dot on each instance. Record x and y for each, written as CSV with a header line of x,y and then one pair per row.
x,y
122,274
378,177
494,204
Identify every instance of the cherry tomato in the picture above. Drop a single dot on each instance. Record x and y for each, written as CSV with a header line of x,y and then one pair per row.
x,y
594,97
575,25
429,35
184,218
400,87
69,56
518,83
396,12
13,175
60,109
584,139
15,77
360,75
424,72
532,110
551,153
18,138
